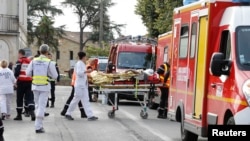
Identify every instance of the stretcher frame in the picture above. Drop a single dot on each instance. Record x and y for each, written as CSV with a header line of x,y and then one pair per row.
x,y
144,88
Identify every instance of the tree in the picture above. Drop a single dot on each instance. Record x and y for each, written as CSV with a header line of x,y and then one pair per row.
x,y
86,10
38,11
108,27
47,34
157,15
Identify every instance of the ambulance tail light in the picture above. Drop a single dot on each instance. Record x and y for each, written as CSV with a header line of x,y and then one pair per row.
x,y
246,90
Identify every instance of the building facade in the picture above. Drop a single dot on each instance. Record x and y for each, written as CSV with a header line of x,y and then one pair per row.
x,y
13,28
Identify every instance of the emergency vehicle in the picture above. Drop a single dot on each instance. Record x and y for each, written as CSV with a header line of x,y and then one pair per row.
x,y
131,53
210,66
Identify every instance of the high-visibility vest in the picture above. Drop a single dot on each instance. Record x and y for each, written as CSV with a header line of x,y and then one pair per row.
x,y
167,83
73,79
24,65
40,71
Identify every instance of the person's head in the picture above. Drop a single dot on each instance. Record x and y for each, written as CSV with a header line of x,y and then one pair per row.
x,y
82,56
4,64
44,49
21,53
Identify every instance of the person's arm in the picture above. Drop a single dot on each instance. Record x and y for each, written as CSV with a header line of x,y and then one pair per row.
x,y
58,72
81,70
29,69
13,79
17,68
52,71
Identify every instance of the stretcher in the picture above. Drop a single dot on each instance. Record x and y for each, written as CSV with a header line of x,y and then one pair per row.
x,y
145,89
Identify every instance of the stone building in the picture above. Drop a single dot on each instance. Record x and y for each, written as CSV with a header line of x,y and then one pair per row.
x,y
69,45
13,28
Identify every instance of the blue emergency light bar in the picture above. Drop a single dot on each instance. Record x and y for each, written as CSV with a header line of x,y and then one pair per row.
x,y
241,1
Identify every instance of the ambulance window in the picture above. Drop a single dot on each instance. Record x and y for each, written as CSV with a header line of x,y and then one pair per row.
x,y
193,40
225,44
183,42
165,55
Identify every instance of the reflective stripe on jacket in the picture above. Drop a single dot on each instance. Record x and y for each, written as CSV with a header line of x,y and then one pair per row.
x,y
162,76
24,64
40,71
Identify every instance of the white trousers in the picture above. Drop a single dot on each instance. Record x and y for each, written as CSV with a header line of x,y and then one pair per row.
x,y
83,95
40,98
5,102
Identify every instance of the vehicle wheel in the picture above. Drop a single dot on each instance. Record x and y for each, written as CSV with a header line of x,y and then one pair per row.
x,y
111,97
144,115
231,121
187,135
111,114
152,104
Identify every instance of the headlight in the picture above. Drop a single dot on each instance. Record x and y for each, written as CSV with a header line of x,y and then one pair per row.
x,y
246,90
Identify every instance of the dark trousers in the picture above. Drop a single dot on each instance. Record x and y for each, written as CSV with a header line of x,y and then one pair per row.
x,y
24,93
52,91
71,97
164,98
1,130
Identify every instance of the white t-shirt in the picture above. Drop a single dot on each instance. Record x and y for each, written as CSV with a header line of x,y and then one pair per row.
x,y
81,76
7,80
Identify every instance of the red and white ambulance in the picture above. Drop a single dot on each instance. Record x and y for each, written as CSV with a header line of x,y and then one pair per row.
x,y
210,66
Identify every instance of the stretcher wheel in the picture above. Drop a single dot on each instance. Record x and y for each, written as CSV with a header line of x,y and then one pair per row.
x,y
144,115
111,114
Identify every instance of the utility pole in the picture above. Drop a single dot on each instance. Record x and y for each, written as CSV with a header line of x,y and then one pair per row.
x,y
101,24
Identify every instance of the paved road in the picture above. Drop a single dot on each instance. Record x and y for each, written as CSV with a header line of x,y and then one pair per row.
x,y
126,126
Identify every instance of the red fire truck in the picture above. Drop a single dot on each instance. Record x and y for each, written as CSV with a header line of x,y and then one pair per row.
x,y
126,53
210,66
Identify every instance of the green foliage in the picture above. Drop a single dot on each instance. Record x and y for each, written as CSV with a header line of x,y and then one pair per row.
x,y
96,51
40,24
157,15
47,34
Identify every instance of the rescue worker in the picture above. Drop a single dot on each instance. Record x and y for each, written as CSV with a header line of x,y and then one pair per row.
x,y
24,92
41,68
83,115
53,84
6,89
164,72
81,89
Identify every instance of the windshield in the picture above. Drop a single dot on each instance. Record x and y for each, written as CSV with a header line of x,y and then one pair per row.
x,y
102,66
134,60
243,47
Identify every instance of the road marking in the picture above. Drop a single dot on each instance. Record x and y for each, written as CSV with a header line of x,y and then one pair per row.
x,y
156,133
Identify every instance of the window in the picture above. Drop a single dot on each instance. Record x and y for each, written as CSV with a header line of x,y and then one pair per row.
x,y
225,44
57,55
243,47
193,40
183,42
165,55
71,55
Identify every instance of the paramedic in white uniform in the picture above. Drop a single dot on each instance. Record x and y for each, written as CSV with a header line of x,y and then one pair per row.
x,y
41,68
81,89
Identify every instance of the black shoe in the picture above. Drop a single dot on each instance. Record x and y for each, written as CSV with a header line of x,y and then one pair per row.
x,y
26,114
18,117
33,116
92,118
46,114
83,116
52,106
69,117
161,116
40,130
63,113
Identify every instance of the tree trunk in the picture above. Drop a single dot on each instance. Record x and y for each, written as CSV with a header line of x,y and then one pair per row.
x,y
81,32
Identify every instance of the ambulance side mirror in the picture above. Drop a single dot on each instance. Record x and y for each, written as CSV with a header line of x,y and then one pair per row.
x,y
218,65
